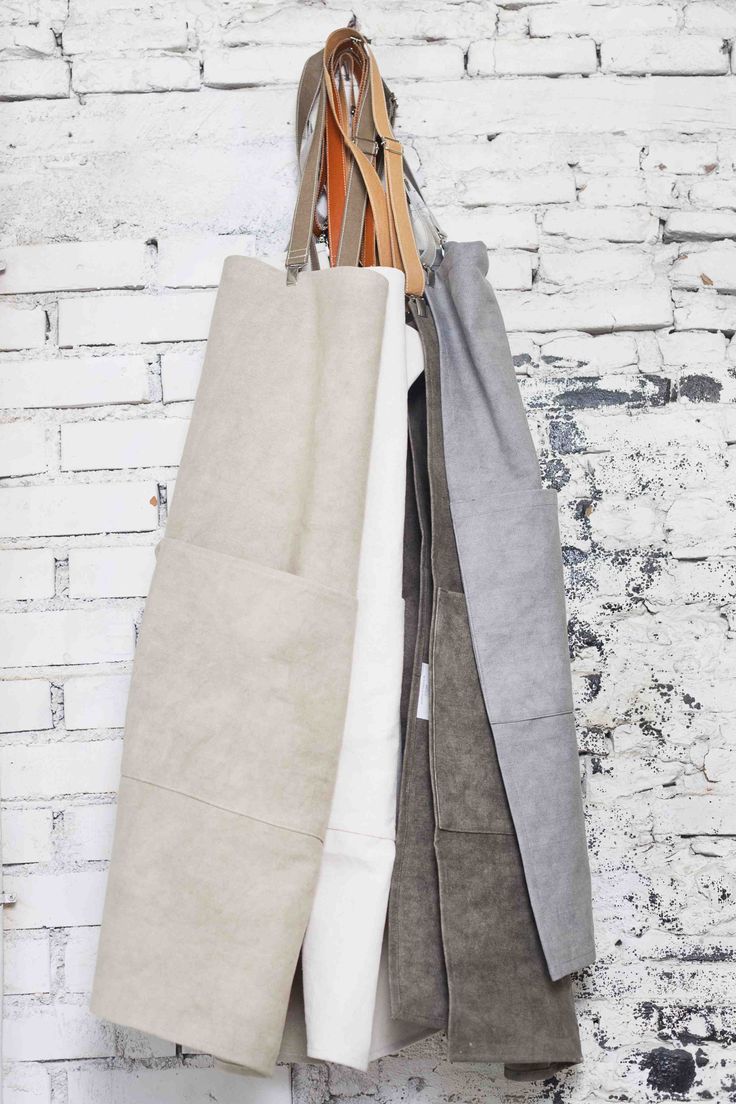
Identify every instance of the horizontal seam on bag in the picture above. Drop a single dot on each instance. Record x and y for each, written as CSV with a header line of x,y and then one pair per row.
x,y
264,569
223,808
540,717
475,831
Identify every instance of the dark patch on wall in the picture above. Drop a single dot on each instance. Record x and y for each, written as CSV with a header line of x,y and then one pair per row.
x,y
592,686
587,392
670,1071
673,1022
699,388
581,636
565,437
708,954
555,473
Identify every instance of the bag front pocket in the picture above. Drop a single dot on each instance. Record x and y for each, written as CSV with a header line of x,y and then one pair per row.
x,y
240,687
468,788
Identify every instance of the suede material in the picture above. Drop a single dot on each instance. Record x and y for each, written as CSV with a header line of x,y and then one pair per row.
x,y
505,525
418,982
502,1004
240,682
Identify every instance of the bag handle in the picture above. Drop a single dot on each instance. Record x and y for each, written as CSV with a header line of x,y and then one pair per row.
x,y
355,199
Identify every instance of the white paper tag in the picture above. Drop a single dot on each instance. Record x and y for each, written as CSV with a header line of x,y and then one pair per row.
x,y
423,699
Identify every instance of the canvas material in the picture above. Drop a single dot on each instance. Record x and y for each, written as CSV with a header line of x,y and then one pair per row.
x,y
342,946
493,990
508,542
241,677
417,975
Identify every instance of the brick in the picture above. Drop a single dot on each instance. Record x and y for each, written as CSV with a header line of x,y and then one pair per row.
x,y
27,42
612,191
22,448
80,955
611,224
704,225
26,835
549,187
110,572
88,832
63,637
714,192
25,705
95,701
427,61
73,381
55,900
710,18
22,327
27,964
600,21
593,266
34,78
447,162
74,266
546,57
52,770
701,523
706,266
286,26
618,523
665,105
180,1085
593,355
57,1032
180,372
664,54
692,348
498,229
683,157
81,508
253,65
122,30
118,319
601,310
704,310
133,443
25,1083
690,816
197,261
26,573
510,271
146,73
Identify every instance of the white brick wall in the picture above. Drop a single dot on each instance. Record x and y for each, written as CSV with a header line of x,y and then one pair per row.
x,y
591,146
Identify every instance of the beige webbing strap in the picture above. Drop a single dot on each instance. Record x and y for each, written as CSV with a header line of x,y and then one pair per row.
x,y
301,240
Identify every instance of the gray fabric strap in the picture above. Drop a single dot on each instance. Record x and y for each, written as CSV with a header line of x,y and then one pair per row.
x,y
301,239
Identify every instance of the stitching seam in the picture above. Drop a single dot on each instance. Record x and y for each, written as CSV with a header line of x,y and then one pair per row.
x,y
222,808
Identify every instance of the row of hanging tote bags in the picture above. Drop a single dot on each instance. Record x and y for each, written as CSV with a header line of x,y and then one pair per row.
x,y
350,811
